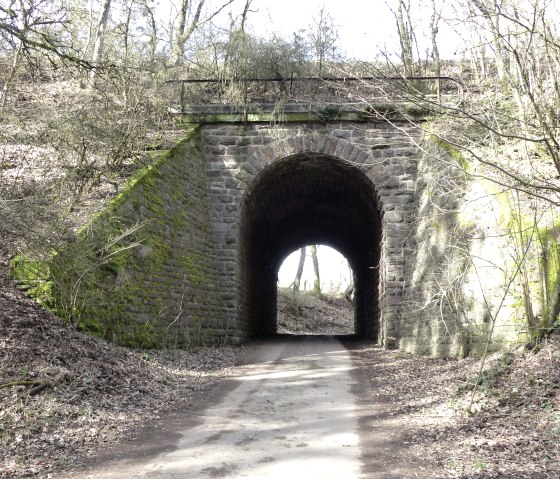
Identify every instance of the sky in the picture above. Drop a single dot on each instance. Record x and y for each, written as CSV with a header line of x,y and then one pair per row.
x,y
365,27
333,270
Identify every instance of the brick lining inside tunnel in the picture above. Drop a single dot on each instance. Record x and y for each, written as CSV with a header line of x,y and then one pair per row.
x,y
308,198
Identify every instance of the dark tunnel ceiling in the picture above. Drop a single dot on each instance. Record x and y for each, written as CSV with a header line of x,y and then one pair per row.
x,y
312,199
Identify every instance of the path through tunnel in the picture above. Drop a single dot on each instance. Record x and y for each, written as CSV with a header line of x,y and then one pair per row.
x,y
308,199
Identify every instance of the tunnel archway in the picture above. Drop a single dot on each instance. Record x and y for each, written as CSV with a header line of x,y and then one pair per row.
x,y
308,198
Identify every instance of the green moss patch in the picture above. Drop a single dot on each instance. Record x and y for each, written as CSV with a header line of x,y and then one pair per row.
x,y
549,238
453,151
34,277
111,280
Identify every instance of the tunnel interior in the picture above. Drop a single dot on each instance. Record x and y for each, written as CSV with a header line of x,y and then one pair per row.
x,y
308,199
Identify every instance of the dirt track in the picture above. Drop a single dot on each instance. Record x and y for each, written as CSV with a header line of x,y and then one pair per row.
x,y
297,409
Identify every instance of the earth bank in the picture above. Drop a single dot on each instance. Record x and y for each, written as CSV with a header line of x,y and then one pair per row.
x,y
67,396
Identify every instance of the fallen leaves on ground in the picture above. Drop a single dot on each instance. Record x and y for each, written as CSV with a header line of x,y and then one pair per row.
x,y
512,430
80,394
66,394
305,313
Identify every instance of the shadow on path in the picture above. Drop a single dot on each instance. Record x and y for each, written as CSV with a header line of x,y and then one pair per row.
x,y
299,408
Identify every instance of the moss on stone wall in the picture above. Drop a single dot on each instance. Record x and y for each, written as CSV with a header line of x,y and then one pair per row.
x,y
453,151
510,257
33,276
549,237
463,260
549,259
130,267
149,175
91,286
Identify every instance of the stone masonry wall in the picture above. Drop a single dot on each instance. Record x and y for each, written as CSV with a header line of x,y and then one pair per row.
x,y
236,154
460,266
181,275
160,284
433,257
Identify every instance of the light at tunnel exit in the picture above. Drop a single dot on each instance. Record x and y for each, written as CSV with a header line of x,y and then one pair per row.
x,y
334,271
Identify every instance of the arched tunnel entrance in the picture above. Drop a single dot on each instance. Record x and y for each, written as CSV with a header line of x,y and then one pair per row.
x,y
308,198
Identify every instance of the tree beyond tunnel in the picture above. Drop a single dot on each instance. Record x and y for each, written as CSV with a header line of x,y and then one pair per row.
x,y
308,199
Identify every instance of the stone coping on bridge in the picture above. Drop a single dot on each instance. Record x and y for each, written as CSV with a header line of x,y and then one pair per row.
x,y
298,112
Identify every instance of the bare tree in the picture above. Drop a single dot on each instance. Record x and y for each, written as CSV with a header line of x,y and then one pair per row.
x,y
406,36
244,15
99,45
490,10
8,80
299,272
317,278
152,27
189,19
323,35
38,26
434,29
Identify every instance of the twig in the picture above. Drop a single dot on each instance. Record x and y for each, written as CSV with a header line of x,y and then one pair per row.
x,y
38,385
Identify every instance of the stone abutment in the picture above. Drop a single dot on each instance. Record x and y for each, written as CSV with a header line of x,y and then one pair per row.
x,y
222,210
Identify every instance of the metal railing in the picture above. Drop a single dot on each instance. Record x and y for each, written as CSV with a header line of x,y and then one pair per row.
x,y
331,86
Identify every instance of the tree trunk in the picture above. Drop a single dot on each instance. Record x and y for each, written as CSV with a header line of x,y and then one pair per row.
x,y
434,27
349,291
244,15
126,33
153,33
317,280
405,38
98,48
490,13
554,308
299,272
126,39
185,27
184,32
9,80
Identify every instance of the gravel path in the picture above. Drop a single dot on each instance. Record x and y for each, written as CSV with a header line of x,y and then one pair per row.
x,y
296,410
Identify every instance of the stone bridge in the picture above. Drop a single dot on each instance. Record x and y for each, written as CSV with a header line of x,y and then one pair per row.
x,y
225,207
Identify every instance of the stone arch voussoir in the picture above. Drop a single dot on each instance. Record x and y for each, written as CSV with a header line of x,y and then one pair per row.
x,y
317,143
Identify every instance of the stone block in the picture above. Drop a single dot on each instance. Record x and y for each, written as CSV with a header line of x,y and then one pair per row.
x,y
393,217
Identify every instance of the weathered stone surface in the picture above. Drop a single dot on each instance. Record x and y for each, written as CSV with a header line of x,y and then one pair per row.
x,y
236,199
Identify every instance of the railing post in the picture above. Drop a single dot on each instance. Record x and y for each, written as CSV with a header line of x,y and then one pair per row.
x,y
182,99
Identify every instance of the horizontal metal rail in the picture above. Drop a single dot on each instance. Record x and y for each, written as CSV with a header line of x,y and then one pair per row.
x,y
293,79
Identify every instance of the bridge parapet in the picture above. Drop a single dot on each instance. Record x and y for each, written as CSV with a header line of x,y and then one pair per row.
x,y
347,89
298,112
